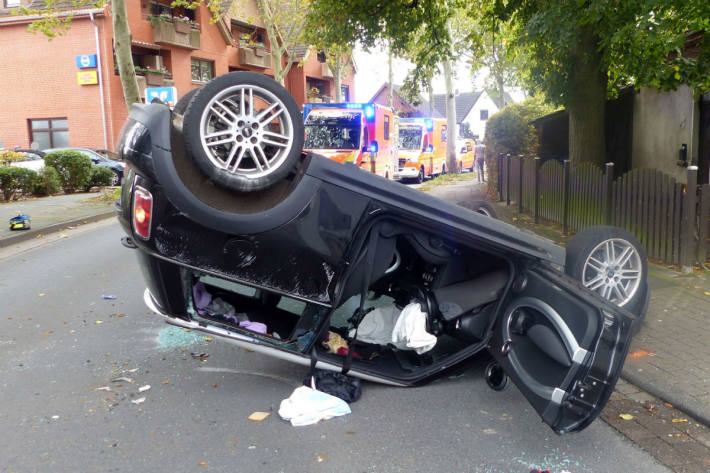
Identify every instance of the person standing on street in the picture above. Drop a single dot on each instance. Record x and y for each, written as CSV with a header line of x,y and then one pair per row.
x,y
479,154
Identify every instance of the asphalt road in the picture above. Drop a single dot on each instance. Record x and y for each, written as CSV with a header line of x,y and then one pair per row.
x,y
61,342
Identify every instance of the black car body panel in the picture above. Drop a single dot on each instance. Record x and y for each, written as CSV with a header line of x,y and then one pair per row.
x,y
298,255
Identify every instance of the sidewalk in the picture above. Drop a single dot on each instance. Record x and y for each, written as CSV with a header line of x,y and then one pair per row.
x,y
669,358
51,214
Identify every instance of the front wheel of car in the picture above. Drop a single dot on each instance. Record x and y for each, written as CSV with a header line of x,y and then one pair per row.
x,y
244,131
611,262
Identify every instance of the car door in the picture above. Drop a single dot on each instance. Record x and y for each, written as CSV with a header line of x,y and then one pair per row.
x,y
562,346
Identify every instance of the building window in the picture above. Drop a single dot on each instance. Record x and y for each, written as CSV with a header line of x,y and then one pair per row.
x,y
345,92
12,3
484,115
157,9
49,132
202,70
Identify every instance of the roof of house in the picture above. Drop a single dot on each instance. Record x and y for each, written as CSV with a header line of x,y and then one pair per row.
x,y
464,103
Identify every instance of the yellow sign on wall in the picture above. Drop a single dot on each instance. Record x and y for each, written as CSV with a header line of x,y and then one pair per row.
x,y
87,77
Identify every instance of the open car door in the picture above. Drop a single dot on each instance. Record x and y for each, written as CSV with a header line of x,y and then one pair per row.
x,y
562,347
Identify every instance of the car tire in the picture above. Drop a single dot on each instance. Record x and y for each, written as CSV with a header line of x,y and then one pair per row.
x,y
611,262
116,179
460,169
420,176
481,207
244,131
184,101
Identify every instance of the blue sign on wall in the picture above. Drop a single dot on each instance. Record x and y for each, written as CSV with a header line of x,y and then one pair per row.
x,y
84,61
166,95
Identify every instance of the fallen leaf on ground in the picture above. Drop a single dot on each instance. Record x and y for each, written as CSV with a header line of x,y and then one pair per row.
x,y
626,416
668,404
707,293
187,329
41,294
140,400
489,431
641,353
679,421
208,339
166,382
214,385
98,322
258,416
321,458
202,463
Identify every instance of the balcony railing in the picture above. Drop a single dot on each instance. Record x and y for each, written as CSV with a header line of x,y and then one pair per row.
x,y
165,32
255,57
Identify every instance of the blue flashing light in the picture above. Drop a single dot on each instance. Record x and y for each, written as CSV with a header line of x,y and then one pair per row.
x,y
429,124
353,105
431,148
373,147
369,112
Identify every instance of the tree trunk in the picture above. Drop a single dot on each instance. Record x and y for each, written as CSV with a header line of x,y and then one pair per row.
x,y
338,81
124,58
586,101
451,165
430,92
390,78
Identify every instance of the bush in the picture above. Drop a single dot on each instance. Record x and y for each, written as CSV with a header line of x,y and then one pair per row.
x,y
47,182
14,179
510,132
73,167
7,156
100,177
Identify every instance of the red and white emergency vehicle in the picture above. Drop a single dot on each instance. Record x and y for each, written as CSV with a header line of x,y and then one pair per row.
x,y
364,134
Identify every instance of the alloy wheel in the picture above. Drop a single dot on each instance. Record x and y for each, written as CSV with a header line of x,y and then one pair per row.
x,y
613,270
246,130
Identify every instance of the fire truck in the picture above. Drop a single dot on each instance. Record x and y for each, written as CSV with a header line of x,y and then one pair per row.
x,y
364,134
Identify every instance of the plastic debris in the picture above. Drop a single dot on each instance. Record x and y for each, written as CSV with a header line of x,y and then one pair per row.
x,y
200,356
109,297
103,388
140,400
258,416
626,416
321,458
55,417
144,388
307,406
131,370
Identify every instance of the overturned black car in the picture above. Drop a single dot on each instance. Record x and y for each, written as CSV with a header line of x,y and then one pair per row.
x,y
242,236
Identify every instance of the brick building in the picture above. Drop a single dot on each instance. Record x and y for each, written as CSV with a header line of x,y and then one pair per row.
x,y
49,94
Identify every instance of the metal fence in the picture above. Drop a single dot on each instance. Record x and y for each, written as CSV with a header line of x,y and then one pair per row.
x,y
670,222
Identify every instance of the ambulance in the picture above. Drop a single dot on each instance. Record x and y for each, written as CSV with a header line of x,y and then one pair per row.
x,y
422,148
467,155
364,134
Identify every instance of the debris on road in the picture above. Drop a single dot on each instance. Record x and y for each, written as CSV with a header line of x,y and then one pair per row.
x,y
144,388
200,356
123,379
626,416
140,400
308,406
109,297
258,416
103,388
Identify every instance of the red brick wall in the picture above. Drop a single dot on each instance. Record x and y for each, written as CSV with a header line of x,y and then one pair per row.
x,y
38,78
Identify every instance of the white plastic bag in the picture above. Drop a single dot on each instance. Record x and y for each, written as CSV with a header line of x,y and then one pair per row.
x,y
410,330
307,406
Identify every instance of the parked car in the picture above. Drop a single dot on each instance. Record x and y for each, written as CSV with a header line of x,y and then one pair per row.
x,y
99,160
33,159
243,236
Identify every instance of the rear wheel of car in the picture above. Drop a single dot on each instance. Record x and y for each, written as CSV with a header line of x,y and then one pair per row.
x,y
612,263
244,131
482,207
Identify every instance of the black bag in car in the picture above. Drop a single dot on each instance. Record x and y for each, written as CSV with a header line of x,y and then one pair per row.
x,y
340,385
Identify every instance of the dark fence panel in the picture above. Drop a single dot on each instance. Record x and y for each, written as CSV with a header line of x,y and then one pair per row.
x,y
671,224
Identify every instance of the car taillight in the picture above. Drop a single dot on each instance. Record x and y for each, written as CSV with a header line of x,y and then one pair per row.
x,y
142,211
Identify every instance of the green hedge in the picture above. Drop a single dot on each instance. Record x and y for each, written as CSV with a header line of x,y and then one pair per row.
x,y
100,177
46,182
73,167
14,179
510,132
